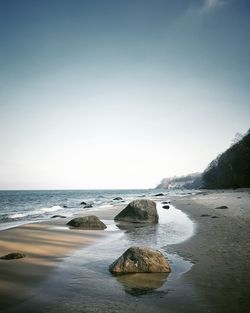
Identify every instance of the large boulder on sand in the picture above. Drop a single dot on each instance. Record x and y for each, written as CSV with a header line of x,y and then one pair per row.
x,y
139,211
140,260
87,222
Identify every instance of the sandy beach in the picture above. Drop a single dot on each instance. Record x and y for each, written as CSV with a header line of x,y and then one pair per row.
x,y
219,250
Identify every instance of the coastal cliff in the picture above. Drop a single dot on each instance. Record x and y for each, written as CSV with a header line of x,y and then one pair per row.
x,y
231,169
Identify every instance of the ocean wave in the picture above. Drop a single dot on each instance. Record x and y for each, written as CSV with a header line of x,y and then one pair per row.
x,y
17,215
51,209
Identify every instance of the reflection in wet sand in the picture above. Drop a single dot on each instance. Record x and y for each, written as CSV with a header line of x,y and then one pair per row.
x,y
141,283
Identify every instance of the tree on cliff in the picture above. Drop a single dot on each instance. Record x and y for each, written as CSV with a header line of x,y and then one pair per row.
x,y
231,169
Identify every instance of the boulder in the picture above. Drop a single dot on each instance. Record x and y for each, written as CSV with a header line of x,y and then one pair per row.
x,y
87,222
165,206
139,211
13,256
140,260
117,198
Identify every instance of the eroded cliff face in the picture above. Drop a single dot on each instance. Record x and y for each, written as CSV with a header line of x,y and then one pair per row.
x,y
191,181
231,169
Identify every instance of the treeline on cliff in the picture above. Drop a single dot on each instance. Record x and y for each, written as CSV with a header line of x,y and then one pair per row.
x,y
231,169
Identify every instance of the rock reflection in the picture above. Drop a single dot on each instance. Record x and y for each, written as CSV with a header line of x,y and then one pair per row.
x,y
142,283
142,234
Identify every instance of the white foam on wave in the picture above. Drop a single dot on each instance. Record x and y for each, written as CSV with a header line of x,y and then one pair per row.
x,y
51,209
17,215
105,206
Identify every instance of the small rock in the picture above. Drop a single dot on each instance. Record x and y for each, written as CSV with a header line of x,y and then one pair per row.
x,y
204,215
223,207
83,203
87,222
159,195
139,211
13,256
166,202
140,260
65,206
88,206
117,198
214,216
165,206
57,216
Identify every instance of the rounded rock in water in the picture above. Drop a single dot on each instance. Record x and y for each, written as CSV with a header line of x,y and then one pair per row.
x,y
139,211
87,222
140,260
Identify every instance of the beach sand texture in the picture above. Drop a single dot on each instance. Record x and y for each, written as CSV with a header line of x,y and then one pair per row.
x,y
220,248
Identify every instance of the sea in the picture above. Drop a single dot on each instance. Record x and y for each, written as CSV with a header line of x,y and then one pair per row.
x,y
19,207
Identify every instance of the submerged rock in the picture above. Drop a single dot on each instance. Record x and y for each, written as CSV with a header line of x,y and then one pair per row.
x,y
13,256
88,206
139,211
58,216
140,260
87,222
223,207
159,195
117,198
166,202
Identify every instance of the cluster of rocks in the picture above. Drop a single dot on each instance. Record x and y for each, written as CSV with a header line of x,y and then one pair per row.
x,y
136,259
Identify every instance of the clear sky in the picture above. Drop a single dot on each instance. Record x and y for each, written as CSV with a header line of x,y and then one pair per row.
x,y
119,94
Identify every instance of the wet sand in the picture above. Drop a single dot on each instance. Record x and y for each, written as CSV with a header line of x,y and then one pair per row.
x,y
45,244
220,249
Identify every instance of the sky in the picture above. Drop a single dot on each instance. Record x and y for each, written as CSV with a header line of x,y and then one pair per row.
x,y
119,94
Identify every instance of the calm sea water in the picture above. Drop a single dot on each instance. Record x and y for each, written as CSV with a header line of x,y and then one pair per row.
x,y
19,207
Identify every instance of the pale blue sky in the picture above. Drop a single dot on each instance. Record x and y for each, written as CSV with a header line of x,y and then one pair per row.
x,y
119,94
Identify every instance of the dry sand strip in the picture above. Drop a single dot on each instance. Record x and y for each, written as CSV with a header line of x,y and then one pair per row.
x,y
220,248
44,245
